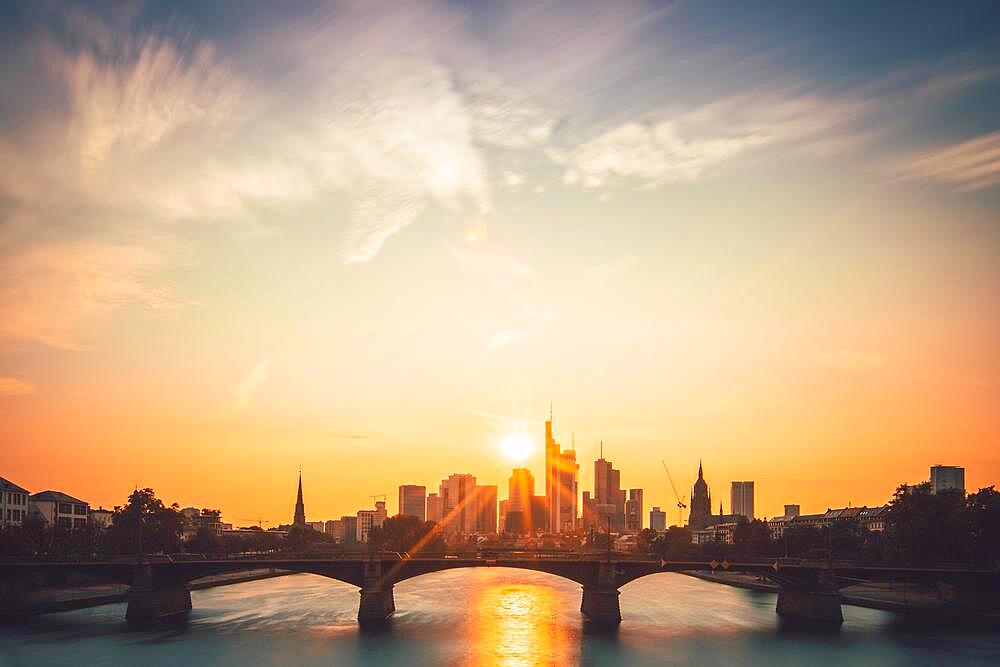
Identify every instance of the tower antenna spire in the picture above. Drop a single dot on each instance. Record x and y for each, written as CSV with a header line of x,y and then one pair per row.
x,y
602,449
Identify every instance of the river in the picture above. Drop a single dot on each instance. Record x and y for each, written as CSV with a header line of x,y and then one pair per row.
x,y
486,617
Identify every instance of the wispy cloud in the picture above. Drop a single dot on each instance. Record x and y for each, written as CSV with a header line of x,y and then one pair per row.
x,y
15,387
966,166
252,382
50,293
649,154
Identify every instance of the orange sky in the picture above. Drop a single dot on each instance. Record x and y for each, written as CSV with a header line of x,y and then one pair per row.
x,y
225,255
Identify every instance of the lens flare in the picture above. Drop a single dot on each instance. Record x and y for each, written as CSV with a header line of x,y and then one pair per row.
x,y
516,446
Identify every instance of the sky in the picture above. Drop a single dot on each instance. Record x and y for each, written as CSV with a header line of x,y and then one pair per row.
x,y
375,241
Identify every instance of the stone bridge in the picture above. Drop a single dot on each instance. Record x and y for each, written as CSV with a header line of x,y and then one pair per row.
x,y
807,591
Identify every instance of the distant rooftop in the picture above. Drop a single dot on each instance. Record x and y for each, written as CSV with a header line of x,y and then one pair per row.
x,y
56,496
7,485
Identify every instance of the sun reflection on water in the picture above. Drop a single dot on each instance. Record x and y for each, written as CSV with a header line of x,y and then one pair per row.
x,y
517,624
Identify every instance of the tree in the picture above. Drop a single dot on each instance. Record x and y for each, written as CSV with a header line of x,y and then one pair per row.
x,y
927,528
144,524
751,539
407,533
645,540
675,544
205,541
984,522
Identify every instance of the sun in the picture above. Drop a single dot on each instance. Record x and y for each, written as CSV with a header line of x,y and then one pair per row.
x,y
516,446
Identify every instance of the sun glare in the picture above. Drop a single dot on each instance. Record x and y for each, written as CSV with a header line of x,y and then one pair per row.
x,y
516,446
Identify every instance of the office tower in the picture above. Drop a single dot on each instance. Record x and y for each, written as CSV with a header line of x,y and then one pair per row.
x,y
633,511
568,491
520,491
657,519
435,508
589,519
486,509
609,497
741,499
457,498
412,500
947,477
348,530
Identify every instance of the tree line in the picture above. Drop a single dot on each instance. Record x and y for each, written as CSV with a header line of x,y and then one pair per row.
x,y
922,528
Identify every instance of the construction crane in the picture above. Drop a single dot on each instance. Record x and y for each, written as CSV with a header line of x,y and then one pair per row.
x,y
383,496
680,503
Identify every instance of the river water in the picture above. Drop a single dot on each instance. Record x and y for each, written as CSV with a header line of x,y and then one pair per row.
x,y
486,617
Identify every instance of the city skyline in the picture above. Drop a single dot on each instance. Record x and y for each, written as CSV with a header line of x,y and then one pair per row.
x,y
234,243
523,450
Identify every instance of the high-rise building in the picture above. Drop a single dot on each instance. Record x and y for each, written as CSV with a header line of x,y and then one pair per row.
x,y
369,519
947,477
458,498
701,503
520,491
633,511
332,527
589,505
300,508
657,519
741,499
561,485
502,522
568,491
609,497
435,508
412,500
486,509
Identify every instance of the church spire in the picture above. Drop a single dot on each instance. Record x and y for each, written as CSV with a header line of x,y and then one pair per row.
x,y
300,509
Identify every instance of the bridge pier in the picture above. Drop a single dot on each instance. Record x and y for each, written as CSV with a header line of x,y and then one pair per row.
x,y
377,602
150,600
601,605
810,606
600,599
377,605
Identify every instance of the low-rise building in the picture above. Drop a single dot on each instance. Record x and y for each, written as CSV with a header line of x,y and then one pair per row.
x,y
869,518
13,503
348,530
59,509
368,519
720,532
657,519
101,517
195,519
